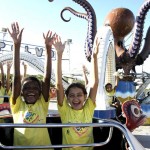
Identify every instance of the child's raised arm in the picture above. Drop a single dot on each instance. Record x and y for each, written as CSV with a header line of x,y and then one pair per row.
x,y
2,75
94,72
59,86
85,75
9,64
16,35
25,69
49,39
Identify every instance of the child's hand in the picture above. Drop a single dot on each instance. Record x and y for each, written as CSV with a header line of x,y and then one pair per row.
x,y
9,64
58,45
49,38
16,34
84,69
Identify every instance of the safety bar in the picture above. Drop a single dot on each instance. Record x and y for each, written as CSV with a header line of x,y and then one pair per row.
x,y
101,123
4,96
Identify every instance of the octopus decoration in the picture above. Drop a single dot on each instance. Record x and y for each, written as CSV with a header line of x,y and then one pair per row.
x,y
121,21
92,27
133,114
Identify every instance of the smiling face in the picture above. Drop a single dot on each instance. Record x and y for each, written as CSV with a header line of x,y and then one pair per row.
x,y
76,98
31,91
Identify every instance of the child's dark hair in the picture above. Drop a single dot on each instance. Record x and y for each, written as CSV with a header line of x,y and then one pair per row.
x,y
33,79
108,84
78,85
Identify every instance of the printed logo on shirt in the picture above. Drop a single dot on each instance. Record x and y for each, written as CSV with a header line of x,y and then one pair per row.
x,y
80,130
31,117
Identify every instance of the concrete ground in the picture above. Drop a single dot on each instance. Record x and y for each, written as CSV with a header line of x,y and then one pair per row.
x,y
142,134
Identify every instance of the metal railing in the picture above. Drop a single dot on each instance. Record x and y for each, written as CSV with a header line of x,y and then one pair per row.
x,y
101,123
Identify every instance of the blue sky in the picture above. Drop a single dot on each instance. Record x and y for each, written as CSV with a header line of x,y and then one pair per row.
x,y
38,16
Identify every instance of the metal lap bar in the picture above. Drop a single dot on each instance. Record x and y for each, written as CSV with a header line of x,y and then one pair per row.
x,y
4,96
101,123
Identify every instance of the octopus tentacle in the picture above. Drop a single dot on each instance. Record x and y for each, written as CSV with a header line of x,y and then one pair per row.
x,y
145,52
92,27
78,14
139,25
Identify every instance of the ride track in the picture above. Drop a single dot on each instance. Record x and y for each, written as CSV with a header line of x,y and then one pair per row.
x,y
33,61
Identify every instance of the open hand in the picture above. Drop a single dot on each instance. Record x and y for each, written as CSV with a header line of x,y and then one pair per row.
x,y
16,34
49,38
59,46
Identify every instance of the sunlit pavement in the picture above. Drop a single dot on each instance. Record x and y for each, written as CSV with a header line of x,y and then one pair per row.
x,y
142,133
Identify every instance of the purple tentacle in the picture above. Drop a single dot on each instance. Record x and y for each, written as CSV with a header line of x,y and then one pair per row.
x,y
139,25
92,27
78,14
145,52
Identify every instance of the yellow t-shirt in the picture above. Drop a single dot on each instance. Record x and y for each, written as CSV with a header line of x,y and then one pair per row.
x,y
30,114
2,120
110,96
2,93
77,135
9,92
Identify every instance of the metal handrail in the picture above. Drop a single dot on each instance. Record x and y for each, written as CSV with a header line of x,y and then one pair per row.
x,y
54,125
4,96
101,123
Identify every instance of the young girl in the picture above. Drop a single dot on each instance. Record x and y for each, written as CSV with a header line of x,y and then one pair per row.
x,y
30,99
75,107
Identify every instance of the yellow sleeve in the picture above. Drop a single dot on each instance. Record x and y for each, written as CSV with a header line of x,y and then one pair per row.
x,y
63,109
3,90
90,105
9,92
44,103
15,108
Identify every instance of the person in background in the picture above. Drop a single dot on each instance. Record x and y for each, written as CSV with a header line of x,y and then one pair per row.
x,y
110,91
85,72
53,93
30,98
111,99
74,106
2,84
2,90
8,81
25,70
4,100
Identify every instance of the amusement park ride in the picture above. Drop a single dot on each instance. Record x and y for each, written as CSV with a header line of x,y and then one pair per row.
x,y
113,55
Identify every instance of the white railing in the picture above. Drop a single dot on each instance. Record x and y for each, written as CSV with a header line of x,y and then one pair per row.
x,y
133,143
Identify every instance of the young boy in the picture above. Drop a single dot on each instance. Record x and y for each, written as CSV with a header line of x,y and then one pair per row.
x,y
110,92
30,99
